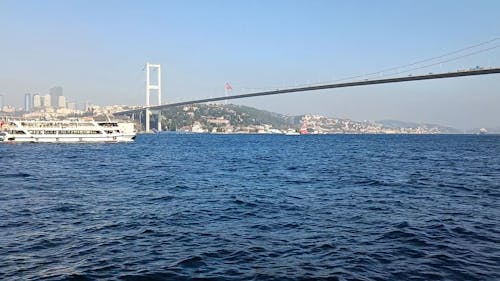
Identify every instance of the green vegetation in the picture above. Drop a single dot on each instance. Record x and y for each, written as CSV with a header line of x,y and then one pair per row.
x,y
211,116
221,118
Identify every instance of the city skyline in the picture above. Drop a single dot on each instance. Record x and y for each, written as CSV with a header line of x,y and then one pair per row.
x,y
97,51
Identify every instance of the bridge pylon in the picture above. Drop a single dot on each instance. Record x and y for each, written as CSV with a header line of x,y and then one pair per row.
x,y
153,84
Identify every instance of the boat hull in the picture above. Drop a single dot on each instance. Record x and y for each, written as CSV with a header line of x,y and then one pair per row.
x,y
67,139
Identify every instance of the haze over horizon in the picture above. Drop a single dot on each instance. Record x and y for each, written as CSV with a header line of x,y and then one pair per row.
x,y
96,50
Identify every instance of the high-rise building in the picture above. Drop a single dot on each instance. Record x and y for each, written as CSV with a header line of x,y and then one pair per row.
x,y
27,102
46,101
55,92
37,101
61,102
1,102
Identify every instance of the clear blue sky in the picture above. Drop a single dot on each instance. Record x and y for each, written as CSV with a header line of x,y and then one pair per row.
x,y
96,50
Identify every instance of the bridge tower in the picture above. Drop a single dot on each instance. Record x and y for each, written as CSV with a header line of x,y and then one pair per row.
x,y
153,84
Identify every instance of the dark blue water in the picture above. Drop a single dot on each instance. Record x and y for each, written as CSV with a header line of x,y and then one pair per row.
x,y
252,207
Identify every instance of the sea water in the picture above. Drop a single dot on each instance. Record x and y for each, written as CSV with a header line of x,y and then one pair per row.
x,y
252,207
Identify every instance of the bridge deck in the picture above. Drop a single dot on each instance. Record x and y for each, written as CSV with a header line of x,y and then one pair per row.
x,y
326,86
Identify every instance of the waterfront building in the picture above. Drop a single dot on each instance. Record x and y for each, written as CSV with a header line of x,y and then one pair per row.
x,y
8,109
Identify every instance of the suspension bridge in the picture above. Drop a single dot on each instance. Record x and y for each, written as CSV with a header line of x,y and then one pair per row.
x,y
356,81
364,82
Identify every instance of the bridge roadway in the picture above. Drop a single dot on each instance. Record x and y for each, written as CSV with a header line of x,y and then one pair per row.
x,y
325,86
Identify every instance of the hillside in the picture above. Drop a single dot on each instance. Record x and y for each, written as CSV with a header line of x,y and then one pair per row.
x,y
222,118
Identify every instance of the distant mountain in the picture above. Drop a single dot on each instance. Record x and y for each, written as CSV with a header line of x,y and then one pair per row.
x,y
392,124
397,124
229,118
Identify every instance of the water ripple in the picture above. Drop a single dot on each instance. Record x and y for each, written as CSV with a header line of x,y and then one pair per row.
x,y
243,207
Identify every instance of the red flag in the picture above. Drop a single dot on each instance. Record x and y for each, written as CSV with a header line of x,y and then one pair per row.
x,y
228,87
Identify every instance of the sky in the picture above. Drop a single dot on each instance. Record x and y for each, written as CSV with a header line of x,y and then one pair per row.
x,y
97,51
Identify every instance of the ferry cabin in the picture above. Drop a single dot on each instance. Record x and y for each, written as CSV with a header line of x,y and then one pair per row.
x,y
67,131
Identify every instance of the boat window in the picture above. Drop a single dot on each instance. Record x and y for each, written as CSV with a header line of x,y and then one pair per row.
x,y
108,124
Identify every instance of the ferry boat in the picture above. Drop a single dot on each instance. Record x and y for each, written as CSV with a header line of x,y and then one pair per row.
x,y
291,132
66,131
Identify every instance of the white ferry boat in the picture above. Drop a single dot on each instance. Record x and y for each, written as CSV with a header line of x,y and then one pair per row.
x,y
66,131
292,132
